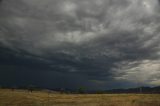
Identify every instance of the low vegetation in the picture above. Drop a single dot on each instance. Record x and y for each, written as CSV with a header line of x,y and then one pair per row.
x,y
9,97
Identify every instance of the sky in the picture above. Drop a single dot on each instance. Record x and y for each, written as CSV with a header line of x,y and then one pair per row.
x,y
97,44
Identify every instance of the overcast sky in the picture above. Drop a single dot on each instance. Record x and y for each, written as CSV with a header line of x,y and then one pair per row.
x,y
98,44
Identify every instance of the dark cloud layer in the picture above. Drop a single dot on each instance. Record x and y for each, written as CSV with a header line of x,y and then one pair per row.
x,y
101,43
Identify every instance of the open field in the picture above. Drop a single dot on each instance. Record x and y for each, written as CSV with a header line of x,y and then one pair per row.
x,y
25,98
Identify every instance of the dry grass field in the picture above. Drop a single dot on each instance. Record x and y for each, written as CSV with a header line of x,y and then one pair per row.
x,y
25,98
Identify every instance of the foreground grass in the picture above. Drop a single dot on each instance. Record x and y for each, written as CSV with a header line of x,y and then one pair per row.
x,y
25,98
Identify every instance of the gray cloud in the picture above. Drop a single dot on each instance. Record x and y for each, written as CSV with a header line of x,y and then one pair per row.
x,y
142,72
91,39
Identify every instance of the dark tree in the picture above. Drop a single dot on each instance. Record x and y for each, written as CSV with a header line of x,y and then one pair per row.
x,y
31,88
81,90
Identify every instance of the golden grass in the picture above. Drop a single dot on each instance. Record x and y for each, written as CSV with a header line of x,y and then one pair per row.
x,y
25,98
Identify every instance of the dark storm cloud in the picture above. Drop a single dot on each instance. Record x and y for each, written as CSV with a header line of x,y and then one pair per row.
x,y
103,41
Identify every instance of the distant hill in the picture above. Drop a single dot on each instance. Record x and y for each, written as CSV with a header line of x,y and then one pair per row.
x,y
136,90
144,90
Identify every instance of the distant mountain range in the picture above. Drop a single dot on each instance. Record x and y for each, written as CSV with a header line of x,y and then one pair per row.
x,y
144,90
136,90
